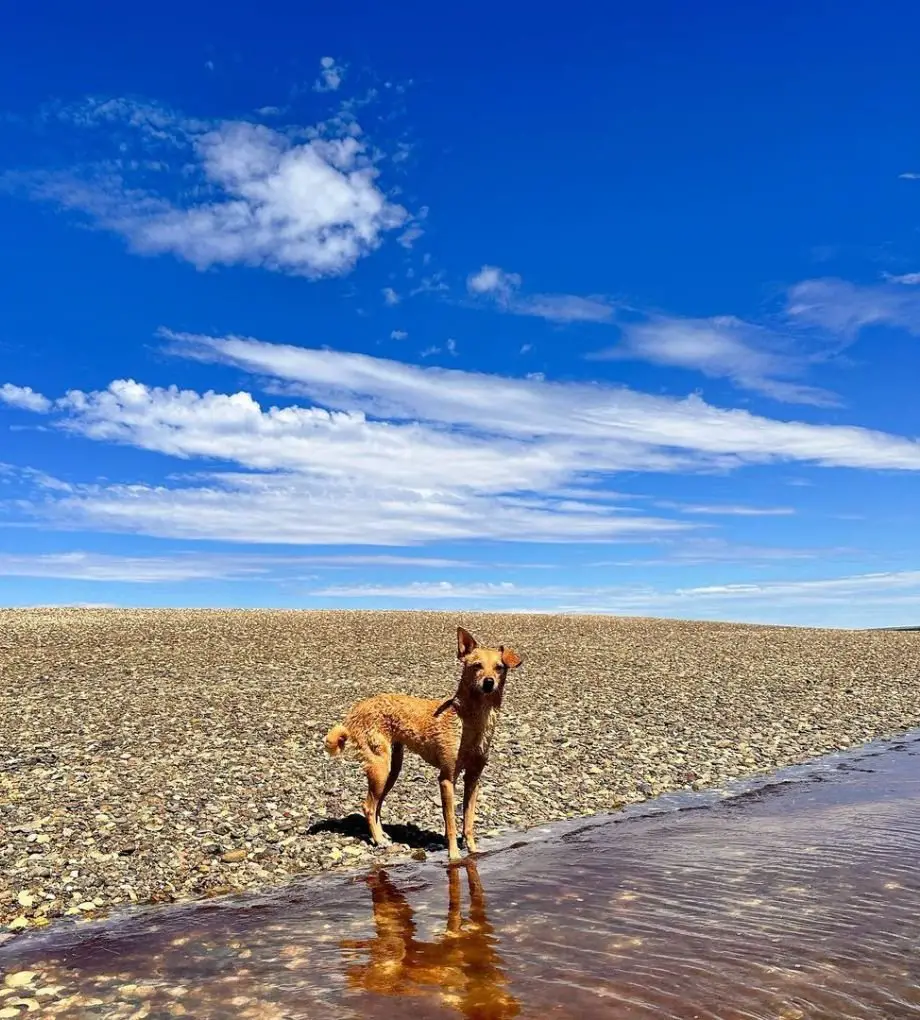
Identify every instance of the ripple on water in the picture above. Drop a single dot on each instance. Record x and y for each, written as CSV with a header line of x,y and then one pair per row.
x,y
796,899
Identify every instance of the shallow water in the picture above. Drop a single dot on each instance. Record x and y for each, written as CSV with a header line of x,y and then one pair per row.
x,y
798,897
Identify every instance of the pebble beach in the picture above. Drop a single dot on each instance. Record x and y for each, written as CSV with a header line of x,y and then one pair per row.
x,y
158,756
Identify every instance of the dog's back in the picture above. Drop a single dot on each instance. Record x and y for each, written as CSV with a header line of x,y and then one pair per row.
x,y
376,724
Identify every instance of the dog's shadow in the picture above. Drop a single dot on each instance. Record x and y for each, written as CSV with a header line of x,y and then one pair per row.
x,y
355,825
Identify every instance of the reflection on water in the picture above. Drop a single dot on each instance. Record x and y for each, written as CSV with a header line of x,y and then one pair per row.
x,y
462,963
795,900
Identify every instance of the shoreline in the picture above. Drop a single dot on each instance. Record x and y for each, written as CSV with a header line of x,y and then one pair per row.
x,y
129,921
168,756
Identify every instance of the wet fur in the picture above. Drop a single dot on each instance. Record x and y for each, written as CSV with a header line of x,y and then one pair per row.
x,y
454,736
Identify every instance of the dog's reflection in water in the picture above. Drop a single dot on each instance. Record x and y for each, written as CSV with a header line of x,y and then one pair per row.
x,y
461,967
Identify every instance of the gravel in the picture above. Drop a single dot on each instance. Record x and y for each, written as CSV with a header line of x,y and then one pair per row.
x,y
161,755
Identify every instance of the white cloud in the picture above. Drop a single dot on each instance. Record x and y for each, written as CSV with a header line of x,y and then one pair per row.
x,y
395,454
504,289
390,296
82,566
181,567
23,397
330,77
612,427
324,477
752,357
451,346
909,279
693,550
494,281
859,599
846,308
909,176
433,591
242,194
821,589
399,334
728,510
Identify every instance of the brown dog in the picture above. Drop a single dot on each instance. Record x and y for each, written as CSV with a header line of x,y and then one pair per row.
x,y
454,736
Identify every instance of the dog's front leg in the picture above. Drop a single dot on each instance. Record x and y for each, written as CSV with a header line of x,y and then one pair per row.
x,y
470,793
450,821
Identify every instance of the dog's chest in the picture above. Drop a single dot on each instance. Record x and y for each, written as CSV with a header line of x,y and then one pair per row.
x,y
476,740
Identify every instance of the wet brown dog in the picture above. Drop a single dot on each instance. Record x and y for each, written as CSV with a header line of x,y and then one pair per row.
x,y
454,736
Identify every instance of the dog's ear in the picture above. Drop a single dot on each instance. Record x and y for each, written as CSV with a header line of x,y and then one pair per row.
x,y
510,658
465,643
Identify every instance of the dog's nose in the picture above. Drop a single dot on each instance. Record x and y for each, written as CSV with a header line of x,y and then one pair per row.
x,y
488,685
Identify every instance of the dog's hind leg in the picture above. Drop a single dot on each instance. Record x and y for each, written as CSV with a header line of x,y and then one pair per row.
x,y
377,769
396,763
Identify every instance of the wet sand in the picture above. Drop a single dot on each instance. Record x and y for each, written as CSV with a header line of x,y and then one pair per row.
x,y
777,899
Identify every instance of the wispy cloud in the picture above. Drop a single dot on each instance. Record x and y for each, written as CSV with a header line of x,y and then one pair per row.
x,y
845,308
390,296
727,509
182,567
388,453
628,425
693,550
503,289
83,566
752,357
793,602
228,192
399,334
433,591
908,279
330,77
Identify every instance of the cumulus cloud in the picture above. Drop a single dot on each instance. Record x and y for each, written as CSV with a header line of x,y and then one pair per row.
x,y
23,397
231,192
503,288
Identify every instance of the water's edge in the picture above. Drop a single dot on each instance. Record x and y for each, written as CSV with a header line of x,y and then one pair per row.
x,y
131,921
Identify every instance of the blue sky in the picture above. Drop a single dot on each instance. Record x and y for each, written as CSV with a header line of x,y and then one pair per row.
x,y
605,312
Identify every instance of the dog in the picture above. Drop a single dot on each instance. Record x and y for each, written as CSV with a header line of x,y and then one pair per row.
x,y
454,736
462,965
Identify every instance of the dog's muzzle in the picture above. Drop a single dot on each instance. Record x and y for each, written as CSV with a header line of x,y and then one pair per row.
x,y
488,685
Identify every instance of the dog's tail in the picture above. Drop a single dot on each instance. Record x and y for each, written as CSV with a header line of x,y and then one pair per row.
x,y
335,740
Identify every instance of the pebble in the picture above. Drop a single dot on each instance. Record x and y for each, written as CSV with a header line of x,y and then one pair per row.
x,y
194,739
20,979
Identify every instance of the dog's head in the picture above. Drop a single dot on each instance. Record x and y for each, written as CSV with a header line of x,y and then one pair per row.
x,y
484,670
